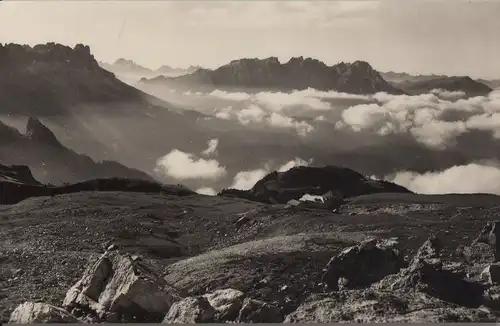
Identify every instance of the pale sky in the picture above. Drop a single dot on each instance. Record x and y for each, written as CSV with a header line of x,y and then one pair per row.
x,y
452,37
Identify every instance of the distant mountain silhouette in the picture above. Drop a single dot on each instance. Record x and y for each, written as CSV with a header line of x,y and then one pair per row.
x,y
50,161
280,187
464,84
298,73
425,83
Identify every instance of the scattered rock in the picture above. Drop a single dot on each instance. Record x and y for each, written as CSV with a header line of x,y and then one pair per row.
x,y
191,310
364,264
490,235
491,274
37,313
256,311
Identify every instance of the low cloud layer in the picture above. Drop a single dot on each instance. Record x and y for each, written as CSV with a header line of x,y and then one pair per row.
x,y
430,119
435,119
186,166
470,178
245,180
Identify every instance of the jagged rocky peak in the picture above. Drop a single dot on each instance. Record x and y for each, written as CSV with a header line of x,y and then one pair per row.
x,y
37,131
12,53
301,61
250,62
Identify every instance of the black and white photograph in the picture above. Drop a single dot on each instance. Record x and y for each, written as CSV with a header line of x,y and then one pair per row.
x,y
253,161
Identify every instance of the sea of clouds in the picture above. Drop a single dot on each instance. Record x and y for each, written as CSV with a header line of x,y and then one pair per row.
x,y
434,120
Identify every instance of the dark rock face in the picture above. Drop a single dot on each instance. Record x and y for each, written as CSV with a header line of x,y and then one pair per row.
x,y
298,73
280,187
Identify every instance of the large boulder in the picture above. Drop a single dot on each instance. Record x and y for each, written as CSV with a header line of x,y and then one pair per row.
x,y
256,311
120,288
227,302
38,313
363,264
191,310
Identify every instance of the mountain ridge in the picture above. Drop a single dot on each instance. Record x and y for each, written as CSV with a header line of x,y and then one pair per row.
x,y
298,73
53,162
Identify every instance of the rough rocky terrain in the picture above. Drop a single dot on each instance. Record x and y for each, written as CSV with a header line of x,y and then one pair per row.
x,y
273,263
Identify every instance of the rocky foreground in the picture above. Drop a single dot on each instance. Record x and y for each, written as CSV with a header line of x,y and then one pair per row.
x,y
119,250
371,281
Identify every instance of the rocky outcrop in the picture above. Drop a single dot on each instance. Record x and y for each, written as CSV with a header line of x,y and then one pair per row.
x,y
364,264
120,288
224,305
281,187
298,73
428,290
40,313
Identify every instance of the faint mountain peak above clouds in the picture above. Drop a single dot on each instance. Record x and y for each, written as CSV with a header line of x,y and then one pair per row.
x,y
126,66
296,74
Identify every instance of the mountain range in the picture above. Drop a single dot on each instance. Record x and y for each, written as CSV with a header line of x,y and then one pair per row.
x,y
296,74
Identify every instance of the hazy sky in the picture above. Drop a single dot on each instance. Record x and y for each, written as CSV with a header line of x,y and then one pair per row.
x,y
453,37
